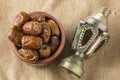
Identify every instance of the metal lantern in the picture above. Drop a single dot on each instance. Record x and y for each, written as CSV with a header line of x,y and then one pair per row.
x,y
89,36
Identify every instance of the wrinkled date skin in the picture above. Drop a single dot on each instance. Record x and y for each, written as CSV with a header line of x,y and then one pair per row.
x,y
29,55
31,42
46,32
44,51
32,28
16,36
21,19
35,35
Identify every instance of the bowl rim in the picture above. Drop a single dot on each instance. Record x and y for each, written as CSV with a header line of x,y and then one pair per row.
x,y
56,53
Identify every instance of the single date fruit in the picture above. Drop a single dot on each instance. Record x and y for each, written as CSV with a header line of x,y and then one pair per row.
x,y
32,28
38,17
31,42
54,43
46,32
16,36
54,28
44,51
20,19
29,55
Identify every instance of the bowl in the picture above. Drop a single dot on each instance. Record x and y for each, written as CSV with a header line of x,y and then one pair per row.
x,y
50,59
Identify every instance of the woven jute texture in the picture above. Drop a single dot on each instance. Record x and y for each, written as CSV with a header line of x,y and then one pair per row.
x,y
105,65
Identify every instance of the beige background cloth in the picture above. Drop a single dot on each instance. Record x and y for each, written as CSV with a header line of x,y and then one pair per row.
x,y
105,65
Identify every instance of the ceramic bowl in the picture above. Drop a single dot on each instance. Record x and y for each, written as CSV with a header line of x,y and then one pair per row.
x,y
51,58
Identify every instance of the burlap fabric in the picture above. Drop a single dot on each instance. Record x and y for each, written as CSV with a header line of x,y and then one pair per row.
x,y
105,65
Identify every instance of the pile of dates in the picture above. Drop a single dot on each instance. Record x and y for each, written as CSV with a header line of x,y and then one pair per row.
x,y
36,36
